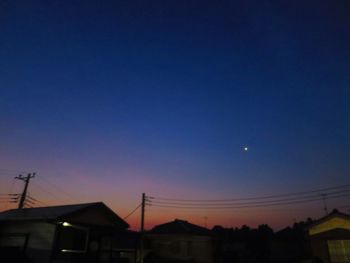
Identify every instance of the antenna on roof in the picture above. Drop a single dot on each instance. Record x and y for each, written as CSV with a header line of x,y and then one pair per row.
x,y
324,196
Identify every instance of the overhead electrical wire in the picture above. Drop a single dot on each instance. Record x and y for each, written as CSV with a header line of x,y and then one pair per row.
x,y
12,171
251,198
58,193
36,200
57,188
29,201
47,182
247,206
47,191
264,201
306,197
133,211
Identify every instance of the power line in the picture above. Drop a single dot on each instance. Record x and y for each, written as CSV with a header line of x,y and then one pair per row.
x,y
344,206
38,201
133,211
57,188
13,171
294,198
45,180
9,196
47,191
252,198
6,202
7,199
247,206
4,196
263,201
29,201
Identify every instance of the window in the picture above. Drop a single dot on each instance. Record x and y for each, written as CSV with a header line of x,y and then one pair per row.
x,y
72,238
339,251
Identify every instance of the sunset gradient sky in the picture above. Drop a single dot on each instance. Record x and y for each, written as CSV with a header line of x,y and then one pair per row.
x,y
107,99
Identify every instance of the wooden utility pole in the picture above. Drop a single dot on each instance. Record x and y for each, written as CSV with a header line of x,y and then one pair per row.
x,y
143,204
24,193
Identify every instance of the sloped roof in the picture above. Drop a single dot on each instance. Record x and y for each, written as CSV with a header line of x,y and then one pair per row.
x,y
334,220
333,214
180,227
57,213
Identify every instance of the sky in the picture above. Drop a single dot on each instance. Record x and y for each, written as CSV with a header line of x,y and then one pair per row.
x,y
105,100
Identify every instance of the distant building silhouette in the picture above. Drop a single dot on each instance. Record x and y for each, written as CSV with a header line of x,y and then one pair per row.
x,y
181,241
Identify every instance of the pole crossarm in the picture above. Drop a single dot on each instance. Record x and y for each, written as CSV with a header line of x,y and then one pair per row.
x,y
26,180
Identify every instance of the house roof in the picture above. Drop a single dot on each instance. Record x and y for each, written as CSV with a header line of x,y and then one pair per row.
x,y
180,227
333,214
334,220
58,213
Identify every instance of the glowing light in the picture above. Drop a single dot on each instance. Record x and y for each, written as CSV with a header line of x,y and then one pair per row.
x,y
245,149
66,224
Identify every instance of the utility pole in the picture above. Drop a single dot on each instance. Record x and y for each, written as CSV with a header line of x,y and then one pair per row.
x,y
26,183
143,204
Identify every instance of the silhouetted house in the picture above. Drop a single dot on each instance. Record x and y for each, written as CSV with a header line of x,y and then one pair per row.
x,y
330,238
68,233
181,241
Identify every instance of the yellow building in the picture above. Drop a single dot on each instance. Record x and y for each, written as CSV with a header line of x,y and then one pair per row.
x,y
330,238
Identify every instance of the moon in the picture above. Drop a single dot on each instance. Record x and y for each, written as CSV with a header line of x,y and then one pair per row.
x,y
245,149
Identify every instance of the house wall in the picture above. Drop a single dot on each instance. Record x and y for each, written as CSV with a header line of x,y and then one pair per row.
x,y
319,245
40,238
203,250
200,249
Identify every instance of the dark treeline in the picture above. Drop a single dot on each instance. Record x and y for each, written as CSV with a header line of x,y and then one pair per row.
x,y
263,244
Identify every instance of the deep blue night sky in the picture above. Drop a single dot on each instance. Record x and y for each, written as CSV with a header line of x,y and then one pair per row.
x,y
162,96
